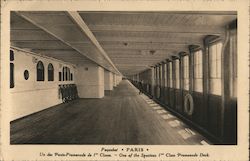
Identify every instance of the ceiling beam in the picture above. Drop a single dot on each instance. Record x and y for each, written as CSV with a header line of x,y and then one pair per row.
x,y
193,40
61,33
58,51
213,30
140,47
144,43
146,54
129,65
43,45
83,26
145,62
138,51
31,35
135,52
145,46
168,35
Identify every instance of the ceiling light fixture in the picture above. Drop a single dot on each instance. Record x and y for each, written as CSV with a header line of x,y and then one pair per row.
x,y
152,52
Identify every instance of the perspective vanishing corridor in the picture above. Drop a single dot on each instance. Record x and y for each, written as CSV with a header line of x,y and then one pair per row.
x,y
121,117
75,77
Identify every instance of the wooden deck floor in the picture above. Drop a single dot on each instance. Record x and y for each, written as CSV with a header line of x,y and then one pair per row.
x,y
121,117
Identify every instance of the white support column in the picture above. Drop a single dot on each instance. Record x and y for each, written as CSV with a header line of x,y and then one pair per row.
x,y
90,81
119,78
114,79
108,80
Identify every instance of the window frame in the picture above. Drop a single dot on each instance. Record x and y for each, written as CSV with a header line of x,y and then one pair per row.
x,y
218,75
40,72
12,75
60,76
50,72
177,73
234,62
185,73
198,70
170,70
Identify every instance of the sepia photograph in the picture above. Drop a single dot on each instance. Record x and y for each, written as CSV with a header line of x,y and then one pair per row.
x,y
123,77
122,84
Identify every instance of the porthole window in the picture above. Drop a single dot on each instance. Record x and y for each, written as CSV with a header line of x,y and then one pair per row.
x,y
40,71
26,74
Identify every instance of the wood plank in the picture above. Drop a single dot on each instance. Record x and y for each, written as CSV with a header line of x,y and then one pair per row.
x,y
122,117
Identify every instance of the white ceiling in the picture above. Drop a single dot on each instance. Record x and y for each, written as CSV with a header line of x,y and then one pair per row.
x,y
133,41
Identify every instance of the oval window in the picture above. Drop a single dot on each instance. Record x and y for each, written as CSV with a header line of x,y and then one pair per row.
x,y
26,74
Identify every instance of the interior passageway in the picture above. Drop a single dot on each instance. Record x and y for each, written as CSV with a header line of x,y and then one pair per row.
x,y
122,117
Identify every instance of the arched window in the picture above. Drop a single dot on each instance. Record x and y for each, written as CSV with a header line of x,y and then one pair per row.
x,y
50,72
68,70
40,71
63,73
60,76
66,74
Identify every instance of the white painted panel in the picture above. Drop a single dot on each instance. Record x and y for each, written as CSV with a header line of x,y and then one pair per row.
x,y
29,96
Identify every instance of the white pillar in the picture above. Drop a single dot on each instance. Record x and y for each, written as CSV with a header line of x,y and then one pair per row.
x,y
108,80
119,79
114,80
90,81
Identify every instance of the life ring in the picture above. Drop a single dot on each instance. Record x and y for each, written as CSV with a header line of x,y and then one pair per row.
x,y
189,104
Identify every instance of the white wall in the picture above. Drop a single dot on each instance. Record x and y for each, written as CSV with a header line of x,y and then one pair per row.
x,y
29,96
90,81
108,80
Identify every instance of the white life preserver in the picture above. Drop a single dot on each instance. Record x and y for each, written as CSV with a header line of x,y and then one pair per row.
x,y
189,109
